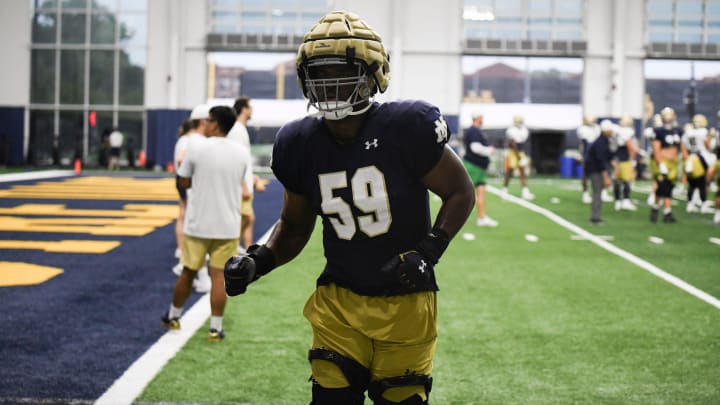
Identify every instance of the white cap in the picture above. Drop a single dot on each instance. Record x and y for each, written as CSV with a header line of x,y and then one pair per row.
x,y
606,125
477,114
200,112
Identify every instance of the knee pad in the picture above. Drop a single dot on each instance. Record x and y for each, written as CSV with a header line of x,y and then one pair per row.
x,y
334,396
664,188
375,392
357,375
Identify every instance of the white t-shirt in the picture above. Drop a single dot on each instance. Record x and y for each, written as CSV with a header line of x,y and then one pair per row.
x,y
517,134
217,167
239,134
588,133
180,146
116,139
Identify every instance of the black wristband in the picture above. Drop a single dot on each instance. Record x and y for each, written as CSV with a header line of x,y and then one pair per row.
x,y
433,245
264,259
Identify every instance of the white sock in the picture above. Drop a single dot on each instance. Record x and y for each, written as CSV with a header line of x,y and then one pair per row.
x,y
216,322
667,211
174,312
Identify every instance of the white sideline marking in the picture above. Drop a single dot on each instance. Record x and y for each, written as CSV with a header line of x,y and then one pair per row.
x,y
647,266
45,174
603,237
134,380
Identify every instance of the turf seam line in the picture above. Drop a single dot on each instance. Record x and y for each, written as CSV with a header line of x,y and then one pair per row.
x,y
643,264
134,380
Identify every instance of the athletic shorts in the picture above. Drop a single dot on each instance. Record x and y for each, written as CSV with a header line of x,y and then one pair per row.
x,y
477,173
516,160
625,171
695,166
672,166
391,336
115,152
246,207
194,251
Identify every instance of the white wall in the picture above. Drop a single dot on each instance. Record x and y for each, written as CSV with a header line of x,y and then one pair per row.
x,y
15,31
613,81
176,72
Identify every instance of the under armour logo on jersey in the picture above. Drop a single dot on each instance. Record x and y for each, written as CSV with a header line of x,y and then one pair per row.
x,y
422,266
441,130
374,144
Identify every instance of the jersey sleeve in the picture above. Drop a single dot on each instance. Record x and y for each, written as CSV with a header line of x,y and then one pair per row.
x,y
286,161
428,133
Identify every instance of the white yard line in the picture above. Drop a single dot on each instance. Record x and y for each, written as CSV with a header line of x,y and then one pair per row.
x,y
649,267
45,174
134,380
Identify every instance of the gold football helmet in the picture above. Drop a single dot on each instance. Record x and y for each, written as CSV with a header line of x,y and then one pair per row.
x,y
668,116
699,121
341,64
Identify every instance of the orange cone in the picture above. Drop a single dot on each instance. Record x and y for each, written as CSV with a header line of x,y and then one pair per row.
x,y
78,167
141,158
170,168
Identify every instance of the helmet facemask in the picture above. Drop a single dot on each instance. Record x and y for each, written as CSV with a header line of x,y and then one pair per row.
x,y
337,88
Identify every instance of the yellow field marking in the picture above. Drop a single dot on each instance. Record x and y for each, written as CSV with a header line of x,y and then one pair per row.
x,y
92,226
62,246
98,188
129,210
18,273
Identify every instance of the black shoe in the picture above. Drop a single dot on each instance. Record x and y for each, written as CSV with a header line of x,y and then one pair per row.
x,y
669,218
654,215
170,323
597,222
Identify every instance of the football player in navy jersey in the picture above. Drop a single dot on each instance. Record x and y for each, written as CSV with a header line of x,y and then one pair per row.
x,y
365,168
664,166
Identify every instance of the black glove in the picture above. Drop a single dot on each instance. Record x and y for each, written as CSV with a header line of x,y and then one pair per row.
x,y
410,270
413,270
241,270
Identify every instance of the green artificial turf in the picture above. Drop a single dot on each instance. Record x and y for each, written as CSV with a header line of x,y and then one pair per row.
x,y
558,320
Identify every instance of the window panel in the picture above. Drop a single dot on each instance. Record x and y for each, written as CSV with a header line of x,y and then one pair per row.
x,y
132,77
225,4
689,7
655,7
74,4
44,28
661,36
72,78
104,5
102,28
47,4
133,5
133,30
42,85
690,37
131,125
71,135
568,35
102,64
73,28
42,131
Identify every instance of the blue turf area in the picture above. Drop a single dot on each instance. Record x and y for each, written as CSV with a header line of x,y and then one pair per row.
x,y
69,338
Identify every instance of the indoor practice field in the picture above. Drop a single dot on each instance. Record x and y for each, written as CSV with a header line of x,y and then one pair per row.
x,y
542,309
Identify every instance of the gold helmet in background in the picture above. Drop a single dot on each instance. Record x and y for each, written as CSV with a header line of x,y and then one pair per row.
x,y
668,116
700,121
342,40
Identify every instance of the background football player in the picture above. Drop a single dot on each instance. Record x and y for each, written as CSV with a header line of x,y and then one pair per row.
x,y
365,168
625,164
697,160
516,159
664,166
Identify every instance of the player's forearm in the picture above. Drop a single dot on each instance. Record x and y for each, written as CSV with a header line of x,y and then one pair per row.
x,y
455,210
288,239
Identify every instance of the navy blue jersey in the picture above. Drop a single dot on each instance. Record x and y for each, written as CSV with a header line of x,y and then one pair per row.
x,y
598,155
668,136
474,134
369,191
